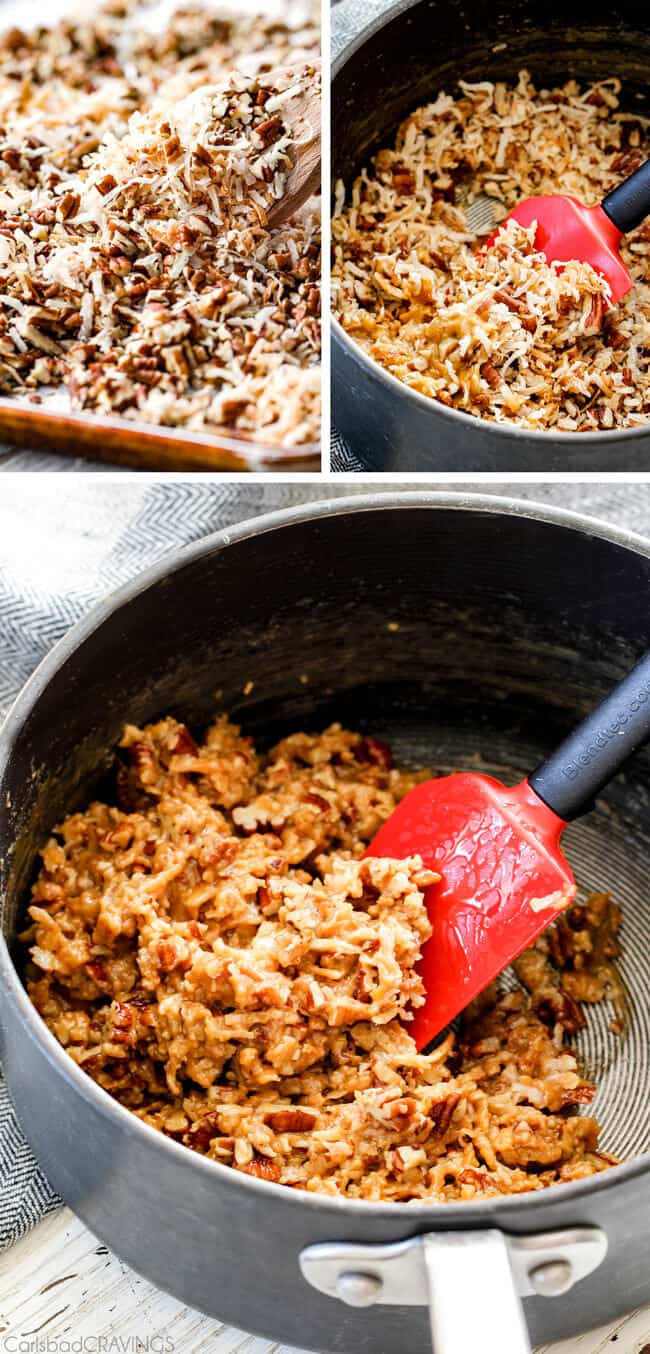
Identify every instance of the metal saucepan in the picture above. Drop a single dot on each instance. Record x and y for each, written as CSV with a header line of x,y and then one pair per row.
x,y
388,59
512,621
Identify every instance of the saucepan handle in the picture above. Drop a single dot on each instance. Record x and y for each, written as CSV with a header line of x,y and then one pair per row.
x,y
470,1280
473,1301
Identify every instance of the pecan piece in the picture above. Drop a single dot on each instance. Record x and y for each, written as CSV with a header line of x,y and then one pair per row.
x,y
518,307
472,1177
68,206
202,154
490,374
558,1008
13,39
291,1121
123,1018
441,1114
231,411
11,157
185,745
171,147
262,1167
376,751
98,971
106,184
627,161
200,1135
580,1095
173,953
594,318
403,182
270,130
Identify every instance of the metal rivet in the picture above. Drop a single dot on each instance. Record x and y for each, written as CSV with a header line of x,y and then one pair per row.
x,y
551,1278
358,1290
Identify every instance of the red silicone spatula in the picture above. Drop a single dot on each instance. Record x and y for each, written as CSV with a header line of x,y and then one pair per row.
x,y
503,875
568,230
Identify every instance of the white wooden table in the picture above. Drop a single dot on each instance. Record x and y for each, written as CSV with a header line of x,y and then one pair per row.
x,y
61,1285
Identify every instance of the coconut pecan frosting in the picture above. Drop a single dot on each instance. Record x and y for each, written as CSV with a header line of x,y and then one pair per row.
x,y
214,952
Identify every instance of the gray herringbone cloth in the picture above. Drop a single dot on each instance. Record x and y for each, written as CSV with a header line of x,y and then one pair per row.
x,y
67,541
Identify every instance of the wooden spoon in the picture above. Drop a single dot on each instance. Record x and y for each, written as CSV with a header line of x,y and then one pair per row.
x,y
302,114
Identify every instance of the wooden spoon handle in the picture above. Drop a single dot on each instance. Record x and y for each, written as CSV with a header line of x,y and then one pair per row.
x,y
310,183
302,114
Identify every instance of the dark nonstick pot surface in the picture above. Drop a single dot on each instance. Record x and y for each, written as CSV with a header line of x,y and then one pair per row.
x,y
512,621
401,57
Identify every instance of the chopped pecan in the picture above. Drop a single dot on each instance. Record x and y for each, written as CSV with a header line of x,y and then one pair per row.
x,y
231,410
470,1176
441,1114
68,206
185,745
200,1135
596,311
554,1007
98,971
264,1168
376,751
403,182
13,39
626,161
517,306
106,184
173,953
123,1023
291,1120
613,336
580,1095
490,374
270,130
202,154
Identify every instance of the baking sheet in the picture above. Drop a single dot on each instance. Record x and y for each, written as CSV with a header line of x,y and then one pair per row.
x,y
53,424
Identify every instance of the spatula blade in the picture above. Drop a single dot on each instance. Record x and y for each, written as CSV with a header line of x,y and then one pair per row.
x,y
503,879
568,230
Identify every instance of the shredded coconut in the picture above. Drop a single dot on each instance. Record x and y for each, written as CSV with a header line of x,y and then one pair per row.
x,y
216,954
501,333
136,172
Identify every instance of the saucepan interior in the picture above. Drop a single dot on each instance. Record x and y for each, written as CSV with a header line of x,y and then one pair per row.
x,y
402,59
421,48
464,632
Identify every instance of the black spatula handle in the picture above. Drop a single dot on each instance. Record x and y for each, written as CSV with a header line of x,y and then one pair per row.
x,y
570,778
629,204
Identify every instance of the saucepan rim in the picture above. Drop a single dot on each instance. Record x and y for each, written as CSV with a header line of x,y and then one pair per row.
x,y
399,389
446,1215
